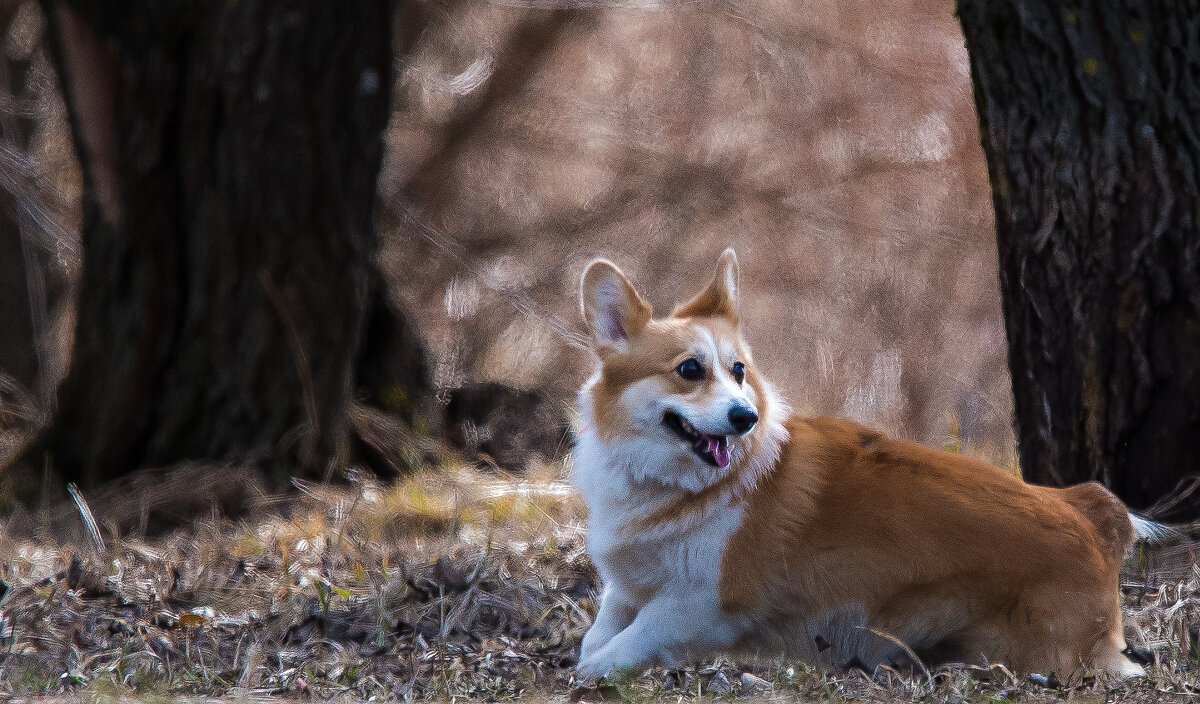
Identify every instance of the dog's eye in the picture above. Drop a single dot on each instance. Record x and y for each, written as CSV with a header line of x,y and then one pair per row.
x,y
691,369
739,372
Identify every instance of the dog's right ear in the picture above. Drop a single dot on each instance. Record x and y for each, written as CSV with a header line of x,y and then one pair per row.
x,y
612,309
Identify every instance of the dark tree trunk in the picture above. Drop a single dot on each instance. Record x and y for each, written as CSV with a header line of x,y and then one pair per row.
x,y
1090,119
18,348
230,152
22,293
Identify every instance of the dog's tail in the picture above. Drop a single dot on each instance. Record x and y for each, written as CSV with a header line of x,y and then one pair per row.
x,y
1149,531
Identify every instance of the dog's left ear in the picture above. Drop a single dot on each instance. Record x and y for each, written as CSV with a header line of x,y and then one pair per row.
x,y
720,299
611,307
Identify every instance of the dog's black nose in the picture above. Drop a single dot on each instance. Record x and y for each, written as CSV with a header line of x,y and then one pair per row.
x,y
742,418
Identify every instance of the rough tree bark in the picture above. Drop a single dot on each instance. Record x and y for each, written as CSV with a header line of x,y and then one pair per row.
x,y
230,153
1090,119
21,290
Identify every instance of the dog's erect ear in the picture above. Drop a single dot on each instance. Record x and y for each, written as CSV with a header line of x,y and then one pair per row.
x,y
720,299
612,309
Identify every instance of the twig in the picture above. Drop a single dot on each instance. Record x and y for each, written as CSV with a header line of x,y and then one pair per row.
x,y
1183,491
85,512
303,368
907,650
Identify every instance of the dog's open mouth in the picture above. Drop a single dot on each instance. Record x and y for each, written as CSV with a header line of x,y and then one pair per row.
x,y
713,449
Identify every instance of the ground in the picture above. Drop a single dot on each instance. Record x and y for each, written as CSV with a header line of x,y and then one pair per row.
x,y
450,586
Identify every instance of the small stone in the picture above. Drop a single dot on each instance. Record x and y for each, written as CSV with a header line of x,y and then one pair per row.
x,y
1050,681
719,684
752,684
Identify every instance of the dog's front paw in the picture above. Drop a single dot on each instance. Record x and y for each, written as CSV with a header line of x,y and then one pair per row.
x,y
613,658
594,666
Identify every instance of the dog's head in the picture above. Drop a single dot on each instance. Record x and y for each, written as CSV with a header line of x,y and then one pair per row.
x,y
683,389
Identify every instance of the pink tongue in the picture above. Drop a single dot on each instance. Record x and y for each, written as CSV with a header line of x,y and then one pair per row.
x,y
719,449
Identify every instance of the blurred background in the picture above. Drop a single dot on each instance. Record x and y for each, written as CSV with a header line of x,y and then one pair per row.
x,y
834,145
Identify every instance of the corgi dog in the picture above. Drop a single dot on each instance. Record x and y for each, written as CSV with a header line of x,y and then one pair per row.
x,y
721,522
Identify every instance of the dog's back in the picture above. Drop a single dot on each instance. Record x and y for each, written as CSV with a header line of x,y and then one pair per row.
x,y
885,541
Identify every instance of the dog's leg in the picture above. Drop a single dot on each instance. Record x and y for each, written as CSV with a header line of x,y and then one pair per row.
x,y
666,631
615,613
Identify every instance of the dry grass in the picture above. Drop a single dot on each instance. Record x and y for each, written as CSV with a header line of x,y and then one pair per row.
x,y
449,585
405,590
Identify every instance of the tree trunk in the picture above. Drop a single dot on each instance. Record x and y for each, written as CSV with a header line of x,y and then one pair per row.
x,y
22,293
1090,120
230,153
18,348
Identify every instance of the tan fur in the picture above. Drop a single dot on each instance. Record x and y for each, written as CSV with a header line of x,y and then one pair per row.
x,y
917,534
957,558
719,298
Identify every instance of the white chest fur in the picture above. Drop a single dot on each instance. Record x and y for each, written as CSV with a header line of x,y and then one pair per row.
x,y
661,583
684,552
